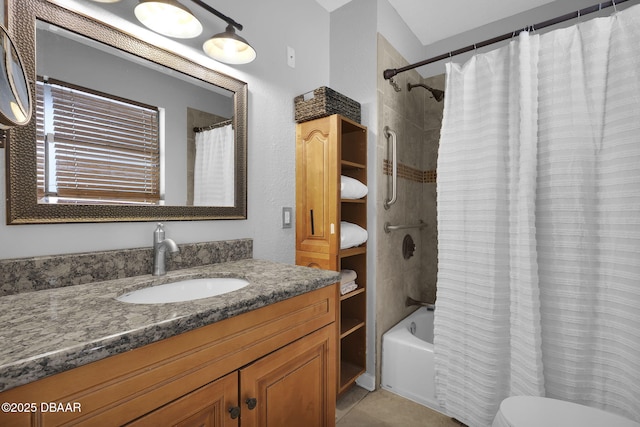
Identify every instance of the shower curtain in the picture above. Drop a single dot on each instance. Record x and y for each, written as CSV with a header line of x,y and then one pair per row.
x,y
539,223
214,171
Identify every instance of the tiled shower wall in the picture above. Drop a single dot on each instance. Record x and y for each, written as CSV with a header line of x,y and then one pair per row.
x,y
416,118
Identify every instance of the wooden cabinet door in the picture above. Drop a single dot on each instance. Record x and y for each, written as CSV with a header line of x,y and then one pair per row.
x,y
294,386
208,406
317,181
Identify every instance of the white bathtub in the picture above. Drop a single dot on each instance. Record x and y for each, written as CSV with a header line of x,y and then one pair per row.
x,y
407,359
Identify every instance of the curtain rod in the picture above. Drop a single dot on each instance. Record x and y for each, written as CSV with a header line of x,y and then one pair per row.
x,y
389,73
213,126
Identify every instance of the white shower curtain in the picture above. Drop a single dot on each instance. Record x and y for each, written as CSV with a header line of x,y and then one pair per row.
x,y
539,223
214,172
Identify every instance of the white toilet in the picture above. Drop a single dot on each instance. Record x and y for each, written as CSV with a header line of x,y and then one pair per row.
x,y
531,411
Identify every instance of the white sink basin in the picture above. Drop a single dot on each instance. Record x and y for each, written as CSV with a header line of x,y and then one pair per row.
x,y
185,290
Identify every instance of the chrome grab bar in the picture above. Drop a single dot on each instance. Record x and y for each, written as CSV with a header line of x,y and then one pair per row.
x,y
389,228
394,170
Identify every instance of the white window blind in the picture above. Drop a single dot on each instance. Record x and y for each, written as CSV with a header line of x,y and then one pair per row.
x,y
95,148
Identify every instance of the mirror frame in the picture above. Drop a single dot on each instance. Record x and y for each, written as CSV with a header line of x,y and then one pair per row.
x,y
22,204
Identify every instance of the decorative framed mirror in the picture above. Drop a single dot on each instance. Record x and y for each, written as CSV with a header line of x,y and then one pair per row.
x,y
97,163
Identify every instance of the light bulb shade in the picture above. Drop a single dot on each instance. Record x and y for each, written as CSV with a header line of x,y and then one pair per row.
x,y
230,48
169,18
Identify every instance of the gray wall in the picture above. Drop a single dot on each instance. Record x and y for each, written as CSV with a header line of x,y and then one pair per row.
x,y
353,73
302,24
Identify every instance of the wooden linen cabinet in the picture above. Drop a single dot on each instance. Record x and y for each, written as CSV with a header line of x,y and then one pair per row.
x,y
327,148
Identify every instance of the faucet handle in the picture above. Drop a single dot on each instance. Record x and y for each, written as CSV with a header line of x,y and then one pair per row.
x,y
158,235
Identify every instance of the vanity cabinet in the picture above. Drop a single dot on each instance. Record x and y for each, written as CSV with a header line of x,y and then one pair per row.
x,y
327,148
273,366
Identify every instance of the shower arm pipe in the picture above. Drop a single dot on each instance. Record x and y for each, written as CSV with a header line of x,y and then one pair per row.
x,y
391,72
390,134
389,228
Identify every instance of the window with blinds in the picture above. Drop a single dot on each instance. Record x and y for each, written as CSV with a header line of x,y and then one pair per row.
x,y
95,148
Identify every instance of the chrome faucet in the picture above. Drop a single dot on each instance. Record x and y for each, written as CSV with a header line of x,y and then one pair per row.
x,y
160,246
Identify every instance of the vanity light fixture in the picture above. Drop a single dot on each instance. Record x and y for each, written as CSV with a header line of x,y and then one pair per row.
x,y
230,48
227,47
169,18
172,19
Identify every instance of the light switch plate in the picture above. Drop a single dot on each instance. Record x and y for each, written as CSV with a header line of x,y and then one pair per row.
x,y
287,219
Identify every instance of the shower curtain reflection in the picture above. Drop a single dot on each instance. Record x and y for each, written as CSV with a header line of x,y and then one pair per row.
x,y
214,167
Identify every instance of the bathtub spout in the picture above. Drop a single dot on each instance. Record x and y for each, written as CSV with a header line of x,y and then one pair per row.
x,y
410,301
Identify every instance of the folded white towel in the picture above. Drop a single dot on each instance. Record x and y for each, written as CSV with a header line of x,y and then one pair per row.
x,y
351,235
348,287
351,188
347,276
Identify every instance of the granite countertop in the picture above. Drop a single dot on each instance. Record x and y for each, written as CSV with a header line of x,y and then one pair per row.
x,y
51,331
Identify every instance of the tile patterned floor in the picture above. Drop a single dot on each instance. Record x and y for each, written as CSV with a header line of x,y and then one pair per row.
x,y
380,408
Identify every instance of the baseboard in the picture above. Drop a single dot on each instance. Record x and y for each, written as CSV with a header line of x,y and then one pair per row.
x,y
367,381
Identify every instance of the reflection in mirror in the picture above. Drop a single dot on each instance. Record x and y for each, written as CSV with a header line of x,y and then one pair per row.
x,y
129,141
15,98
94,164
210,178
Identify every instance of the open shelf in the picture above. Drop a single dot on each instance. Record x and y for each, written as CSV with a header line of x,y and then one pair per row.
x,y
352,294
356,201
350,372
349,325
358,250
352,357
346,164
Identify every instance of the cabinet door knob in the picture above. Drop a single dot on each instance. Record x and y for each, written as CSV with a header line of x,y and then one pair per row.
x,y
235,412
251,402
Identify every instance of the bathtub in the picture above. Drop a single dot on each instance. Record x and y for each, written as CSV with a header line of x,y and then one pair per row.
x,y
407,359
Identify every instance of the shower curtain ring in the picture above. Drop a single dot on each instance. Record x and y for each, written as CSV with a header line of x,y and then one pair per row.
x,y
615,9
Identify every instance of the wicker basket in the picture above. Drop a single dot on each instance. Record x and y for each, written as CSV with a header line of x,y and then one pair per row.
x,y
322,102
